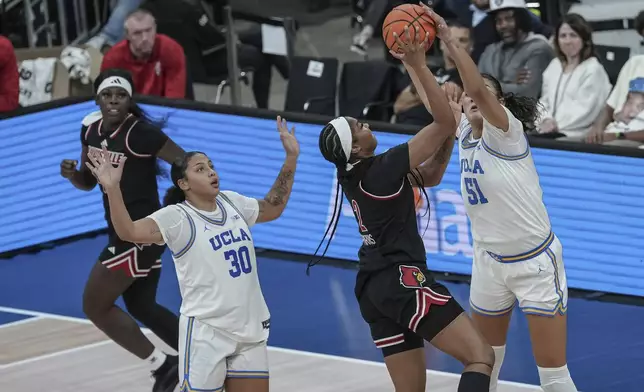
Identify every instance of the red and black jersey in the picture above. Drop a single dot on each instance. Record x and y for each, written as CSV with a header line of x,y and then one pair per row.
x,y
139,142
383,203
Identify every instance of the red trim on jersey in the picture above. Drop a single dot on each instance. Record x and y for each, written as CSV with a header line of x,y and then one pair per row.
x,y
389,197
425,298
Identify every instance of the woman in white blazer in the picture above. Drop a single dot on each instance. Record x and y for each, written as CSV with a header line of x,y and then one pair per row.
x,y
575,84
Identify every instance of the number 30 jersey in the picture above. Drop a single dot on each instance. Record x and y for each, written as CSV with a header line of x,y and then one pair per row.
x,y
500,188
216,266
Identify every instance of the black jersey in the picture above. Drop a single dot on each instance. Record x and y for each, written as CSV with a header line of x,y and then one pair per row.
x,y
139,142
382,199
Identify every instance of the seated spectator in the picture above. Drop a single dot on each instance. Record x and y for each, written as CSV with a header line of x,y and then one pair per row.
x,y
519,59
575,84
9,78
113,30
633,69
205,46
156,61
474,13
409,108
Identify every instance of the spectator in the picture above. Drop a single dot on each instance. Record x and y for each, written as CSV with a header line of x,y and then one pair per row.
x,y
113,30
476,16
205,46
409,108
156,61
9,78
575,84
519,59
633,69
639,23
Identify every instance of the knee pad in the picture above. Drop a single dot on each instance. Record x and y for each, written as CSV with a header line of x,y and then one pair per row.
x,y
556,379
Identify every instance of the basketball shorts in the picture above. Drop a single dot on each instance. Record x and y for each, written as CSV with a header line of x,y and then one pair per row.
x,y
404,306
135,260
536,279
207,357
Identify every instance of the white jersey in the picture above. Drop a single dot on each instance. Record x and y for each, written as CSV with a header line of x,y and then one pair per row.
x,y
501,190
216,266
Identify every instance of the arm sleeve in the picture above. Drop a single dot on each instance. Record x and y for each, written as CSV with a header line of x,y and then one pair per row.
x,y
175,226
536,63
511,143
175,74
145,140
247,206
387,172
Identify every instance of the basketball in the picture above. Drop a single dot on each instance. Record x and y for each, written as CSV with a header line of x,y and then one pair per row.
x,y
407,15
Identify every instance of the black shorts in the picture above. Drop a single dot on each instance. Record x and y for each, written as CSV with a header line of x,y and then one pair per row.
x,y
397,300
134,259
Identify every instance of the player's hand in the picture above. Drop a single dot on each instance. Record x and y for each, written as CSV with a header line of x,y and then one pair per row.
x,y
442,31
68,168
454,94
412,48
291,146
101,167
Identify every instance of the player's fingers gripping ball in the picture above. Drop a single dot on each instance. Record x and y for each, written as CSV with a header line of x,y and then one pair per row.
x,y
407,15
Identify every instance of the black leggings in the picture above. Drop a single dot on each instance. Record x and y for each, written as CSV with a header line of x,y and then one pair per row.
x,y
140,302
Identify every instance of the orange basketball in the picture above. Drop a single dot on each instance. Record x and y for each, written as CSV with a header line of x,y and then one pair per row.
x,y
411,15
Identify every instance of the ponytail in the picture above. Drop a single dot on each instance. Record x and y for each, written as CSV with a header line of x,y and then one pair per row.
x,y
174,195
525,109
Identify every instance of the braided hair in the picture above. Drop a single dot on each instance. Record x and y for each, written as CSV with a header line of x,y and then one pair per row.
x,y
331,149
525,109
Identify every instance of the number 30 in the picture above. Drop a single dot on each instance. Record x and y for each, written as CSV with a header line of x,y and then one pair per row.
x,y
240,261
475,196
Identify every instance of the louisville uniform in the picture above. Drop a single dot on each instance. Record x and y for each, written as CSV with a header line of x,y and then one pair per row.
x,y
516,255
224,322
398,297
139,142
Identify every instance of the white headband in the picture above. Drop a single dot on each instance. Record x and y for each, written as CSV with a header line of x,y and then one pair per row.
x,y
343,129
115,81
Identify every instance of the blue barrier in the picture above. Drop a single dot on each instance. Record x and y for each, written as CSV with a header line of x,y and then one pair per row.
x,y
592,199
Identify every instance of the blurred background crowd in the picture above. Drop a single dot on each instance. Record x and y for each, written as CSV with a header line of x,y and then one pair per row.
x,y
584,60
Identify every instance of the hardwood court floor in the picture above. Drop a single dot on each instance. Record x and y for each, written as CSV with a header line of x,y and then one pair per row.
x,y
61,354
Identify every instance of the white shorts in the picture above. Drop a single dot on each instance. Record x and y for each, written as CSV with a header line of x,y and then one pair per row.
x,y
536,279
207,357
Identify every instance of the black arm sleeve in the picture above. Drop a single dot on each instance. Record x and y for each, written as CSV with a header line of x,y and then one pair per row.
x,y
388,171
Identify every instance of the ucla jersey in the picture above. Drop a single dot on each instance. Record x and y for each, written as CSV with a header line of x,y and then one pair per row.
x,y
216,266
501,190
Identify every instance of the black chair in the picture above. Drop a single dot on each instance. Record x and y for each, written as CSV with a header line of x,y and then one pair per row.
x,y
367,90
613,59
312,85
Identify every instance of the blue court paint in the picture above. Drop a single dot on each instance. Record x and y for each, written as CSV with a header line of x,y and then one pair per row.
x,y
8,318
319,313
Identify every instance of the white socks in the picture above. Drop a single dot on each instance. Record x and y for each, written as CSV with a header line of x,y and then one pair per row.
x,y
556,379
499,354
156,359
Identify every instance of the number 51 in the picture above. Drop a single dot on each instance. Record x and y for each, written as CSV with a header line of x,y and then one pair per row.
x,y
475,196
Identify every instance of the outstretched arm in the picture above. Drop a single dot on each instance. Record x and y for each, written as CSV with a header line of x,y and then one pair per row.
x,y
274,203
473,83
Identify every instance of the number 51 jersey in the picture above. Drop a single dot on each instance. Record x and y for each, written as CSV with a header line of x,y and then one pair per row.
x,y
500,188
216,266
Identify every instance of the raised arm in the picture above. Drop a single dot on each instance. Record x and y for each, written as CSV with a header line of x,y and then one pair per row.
x,y
429,140
143,231
473,83
274,203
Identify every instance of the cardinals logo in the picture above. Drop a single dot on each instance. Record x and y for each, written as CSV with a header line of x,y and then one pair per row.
x,y
411,277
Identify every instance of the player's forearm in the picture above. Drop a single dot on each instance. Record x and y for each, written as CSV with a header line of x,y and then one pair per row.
x,y
276,199
120,217
433,169
436,99
473,83
81,181
418,86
